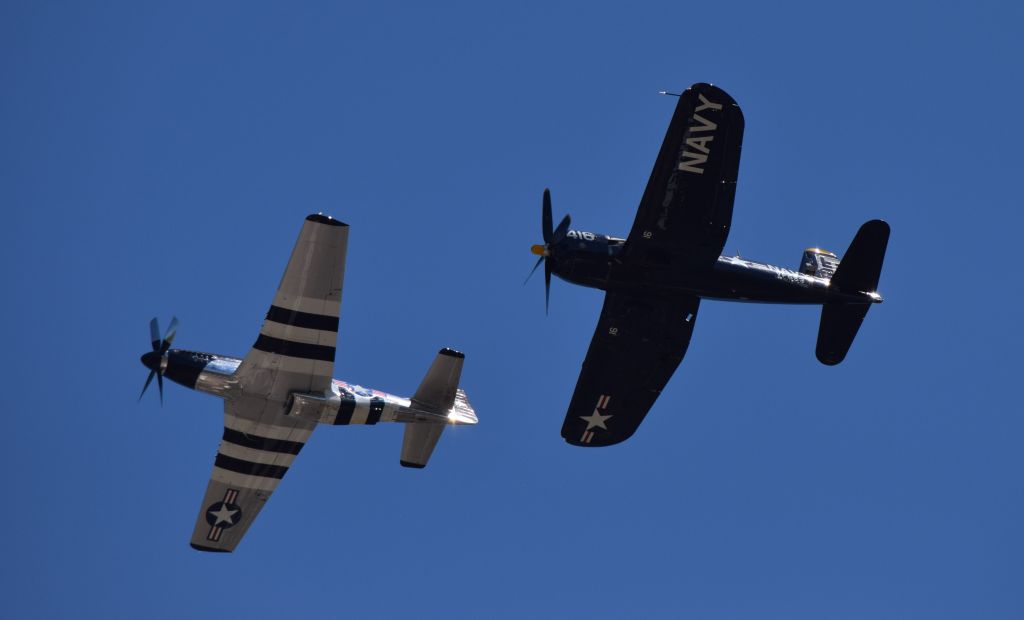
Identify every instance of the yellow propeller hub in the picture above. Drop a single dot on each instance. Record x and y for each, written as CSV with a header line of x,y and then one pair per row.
x,y
539,250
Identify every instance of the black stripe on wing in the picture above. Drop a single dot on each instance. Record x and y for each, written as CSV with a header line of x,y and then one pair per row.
x,y
256,442
301,350
249,468
307,320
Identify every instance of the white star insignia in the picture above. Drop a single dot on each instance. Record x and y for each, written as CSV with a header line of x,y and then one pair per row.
x,y
595,419
224,515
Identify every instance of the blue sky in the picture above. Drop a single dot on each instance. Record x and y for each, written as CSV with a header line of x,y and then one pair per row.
x,y
158,159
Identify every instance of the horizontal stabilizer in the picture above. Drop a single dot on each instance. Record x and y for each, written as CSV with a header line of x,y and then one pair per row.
x,y
418,443
838,328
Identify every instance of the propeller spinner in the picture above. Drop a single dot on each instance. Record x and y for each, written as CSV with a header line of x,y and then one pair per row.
x,y
156,360
551,239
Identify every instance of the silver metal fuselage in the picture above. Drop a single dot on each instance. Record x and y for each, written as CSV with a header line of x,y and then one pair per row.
x,y
345,404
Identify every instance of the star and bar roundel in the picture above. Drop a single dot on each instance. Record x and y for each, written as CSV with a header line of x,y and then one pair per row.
x,y
596,419
223,515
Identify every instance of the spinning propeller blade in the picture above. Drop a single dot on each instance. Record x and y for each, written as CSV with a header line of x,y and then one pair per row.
x,y
172,329
155,359
563,227
149,380
552,237
535,265
154,333
547,286
545,217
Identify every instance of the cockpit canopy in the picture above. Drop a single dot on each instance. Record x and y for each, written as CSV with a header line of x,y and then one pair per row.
x,y
820,263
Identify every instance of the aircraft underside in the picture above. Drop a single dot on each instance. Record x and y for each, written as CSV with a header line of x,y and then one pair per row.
x,y
346,404
282,390
655,278
730,279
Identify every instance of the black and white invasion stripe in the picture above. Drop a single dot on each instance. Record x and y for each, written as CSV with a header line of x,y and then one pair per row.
x,y
255,455
355,409
298,336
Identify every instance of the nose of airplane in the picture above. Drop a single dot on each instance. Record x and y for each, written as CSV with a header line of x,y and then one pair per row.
x,y
151,360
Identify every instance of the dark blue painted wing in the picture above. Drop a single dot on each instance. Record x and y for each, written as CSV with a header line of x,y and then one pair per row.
x,y
637,346
685,213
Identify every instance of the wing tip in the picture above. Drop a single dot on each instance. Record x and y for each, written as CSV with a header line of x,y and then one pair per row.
x,y
452,353
596,442
709,88
208,549
412,465
320,218
829,357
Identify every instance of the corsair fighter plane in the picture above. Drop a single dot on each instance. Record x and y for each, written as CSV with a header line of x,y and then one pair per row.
x,y
282,389
655,278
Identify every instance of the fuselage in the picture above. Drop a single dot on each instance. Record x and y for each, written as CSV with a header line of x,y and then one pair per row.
x,y
346,404
593,260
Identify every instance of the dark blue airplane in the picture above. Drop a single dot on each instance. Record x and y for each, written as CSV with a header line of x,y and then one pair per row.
x,y
655,278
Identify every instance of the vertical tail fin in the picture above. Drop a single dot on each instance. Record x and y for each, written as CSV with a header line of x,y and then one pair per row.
x,y
438,393
858,273
861,266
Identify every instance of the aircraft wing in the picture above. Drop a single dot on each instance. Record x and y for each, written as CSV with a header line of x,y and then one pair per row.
x,y
293,353
638,343
685,213
295,349
253,456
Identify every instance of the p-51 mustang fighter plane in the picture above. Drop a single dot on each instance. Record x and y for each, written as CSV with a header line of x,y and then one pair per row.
x,y
655,278
277,395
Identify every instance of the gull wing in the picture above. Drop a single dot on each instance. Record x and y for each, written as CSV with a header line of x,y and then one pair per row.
x,y
685,213
638,343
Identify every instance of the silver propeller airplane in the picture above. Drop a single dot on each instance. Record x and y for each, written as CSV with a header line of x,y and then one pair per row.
x,y
282,389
